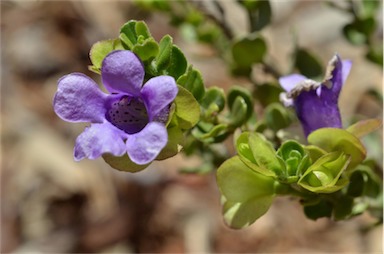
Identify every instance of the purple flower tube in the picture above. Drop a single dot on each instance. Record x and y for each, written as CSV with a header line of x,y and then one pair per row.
x,y
316,103
130,119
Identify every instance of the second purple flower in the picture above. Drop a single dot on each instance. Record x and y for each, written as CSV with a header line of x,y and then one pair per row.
x,y
316,103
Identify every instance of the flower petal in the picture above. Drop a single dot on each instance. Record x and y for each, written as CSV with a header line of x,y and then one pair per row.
x,y
290,81
347,65
99,139
122,72
314,112
158,93
339,71
79,99
144,146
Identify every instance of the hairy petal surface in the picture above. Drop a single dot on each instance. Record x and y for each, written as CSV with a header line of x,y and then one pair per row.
x,y
99,139
143,147
79,99
158,93
122,72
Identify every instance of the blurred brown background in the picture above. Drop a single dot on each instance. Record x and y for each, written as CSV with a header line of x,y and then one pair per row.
x,y
50,204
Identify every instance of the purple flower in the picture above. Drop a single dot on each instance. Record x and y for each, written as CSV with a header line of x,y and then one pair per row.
x,y
131,119
316,103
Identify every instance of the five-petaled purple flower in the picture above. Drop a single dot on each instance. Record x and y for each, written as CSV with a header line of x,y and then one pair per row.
x,y
131,119
316,103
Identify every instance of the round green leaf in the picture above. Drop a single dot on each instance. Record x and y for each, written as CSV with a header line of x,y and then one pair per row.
x,y
264,162
147,49
268,93
314,152
324,175
334,139
193,82
359,30
178,63
237,91
321,209
249,50
163,59
264,153
248,195
187,109
238,112
101,49
128,34
276,116
260,13
308,64
123,163
214,95
210,135
173,147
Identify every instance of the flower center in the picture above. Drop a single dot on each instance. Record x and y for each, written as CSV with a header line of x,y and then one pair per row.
x,y
128,114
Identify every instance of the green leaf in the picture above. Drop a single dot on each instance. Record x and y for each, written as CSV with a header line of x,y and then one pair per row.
x,y
314,152
370,8
246,155
288,146
135,32
214,95
375,54
210,135
187,109
296,158
319,210
123,163
362,128
178,64
247,194
237,91
260,13
147,49
356,184
258,154
277,117
100,50
343,208
240,71
128,34
249,50
364,182
324,175
208,32
173,147
359,30
264,153
353,35
238,112
163,59
193,82
308,64
268,93
334,139
142,30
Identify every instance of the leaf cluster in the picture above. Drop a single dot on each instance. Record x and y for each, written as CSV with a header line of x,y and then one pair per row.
x,y
329,176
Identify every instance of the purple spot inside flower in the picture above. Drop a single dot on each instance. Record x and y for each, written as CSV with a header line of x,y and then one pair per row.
x,y
128,114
